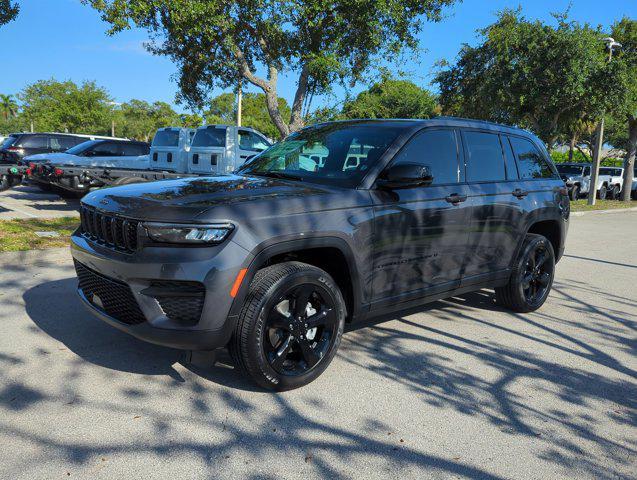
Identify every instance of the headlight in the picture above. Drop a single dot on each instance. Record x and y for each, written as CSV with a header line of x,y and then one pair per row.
x,y
192,234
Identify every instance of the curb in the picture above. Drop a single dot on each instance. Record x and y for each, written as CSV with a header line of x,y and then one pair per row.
x,y
614,210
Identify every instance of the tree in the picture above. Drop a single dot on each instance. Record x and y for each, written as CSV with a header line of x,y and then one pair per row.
x,y
8,106
8,11
65,106
543,77
140,120
625,32
391,98
219,44
254,112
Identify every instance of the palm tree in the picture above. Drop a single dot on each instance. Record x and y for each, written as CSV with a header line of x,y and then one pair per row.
x,y
8,106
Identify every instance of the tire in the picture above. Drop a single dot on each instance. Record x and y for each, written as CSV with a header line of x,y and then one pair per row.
x,y
574,192
273,353
514,295
603,191
614,193
128,181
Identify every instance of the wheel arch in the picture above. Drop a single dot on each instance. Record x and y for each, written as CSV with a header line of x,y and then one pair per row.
x,y
332,254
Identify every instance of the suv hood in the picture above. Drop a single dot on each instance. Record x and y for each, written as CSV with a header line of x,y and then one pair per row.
x,y
227,197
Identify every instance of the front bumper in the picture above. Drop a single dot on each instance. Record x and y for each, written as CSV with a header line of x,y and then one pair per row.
x,y
215,268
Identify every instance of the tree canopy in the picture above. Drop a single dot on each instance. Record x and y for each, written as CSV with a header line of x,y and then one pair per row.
x,y
538,76
8,11
140,120
219,44
392,98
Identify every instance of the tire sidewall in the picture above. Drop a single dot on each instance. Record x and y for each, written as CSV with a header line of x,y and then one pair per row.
x,y
255,350
521,268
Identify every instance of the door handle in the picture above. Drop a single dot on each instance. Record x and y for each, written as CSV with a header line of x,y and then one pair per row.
x,y
519,193
455,198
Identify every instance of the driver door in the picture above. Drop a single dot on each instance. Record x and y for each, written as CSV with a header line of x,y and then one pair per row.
x,y
421,233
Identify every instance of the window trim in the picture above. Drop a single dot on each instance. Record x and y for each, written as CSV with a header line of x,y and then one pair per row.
x,y
549,164
465,148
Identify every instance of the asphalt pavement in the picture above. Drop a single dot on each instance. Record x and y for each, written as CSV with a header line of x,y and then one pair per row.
x,y
28,201
457,389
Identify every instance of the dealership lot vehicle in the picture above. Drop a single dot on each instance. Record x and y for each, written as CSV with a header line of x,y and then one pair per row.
x,y
169,149
577,177
615,181
19,145
61,169
10,175
274,260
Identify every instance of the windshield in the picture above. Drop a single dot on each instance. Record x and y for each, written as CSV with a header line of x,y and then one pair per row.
x,y
569,169
82,147
335,154
166,138
7,142
210,137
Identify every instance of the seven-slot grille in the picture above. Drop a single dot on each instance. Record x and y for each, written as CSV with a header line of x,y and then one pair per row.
x,y
108,295
115,232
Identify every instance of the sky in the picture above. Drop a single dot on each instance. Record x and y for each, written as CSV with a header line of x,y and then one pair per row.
x,y
64,39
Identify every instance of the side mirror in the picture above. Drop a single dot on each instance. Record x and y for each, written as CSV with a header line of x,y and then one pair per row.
x,y
406,175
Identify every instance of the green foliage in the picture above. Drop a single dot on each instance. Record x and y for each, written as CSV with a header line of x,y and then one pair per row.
x,y
216,44
65,106
8,106
535,75
561,157
254,112
139,119
391,98
8,11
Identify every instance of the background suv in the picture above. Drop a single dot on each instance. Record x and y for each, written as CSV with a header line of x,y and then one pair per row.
x,y
273,260
18,145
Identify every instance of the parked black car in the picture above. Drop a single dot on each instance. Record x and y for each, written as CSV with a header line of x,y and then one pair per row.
x,y
274,260
18,145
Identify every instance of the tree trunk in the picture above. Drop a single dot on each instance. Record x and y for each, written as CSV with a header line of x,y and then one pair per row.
x,y
296,118
571,149
629,162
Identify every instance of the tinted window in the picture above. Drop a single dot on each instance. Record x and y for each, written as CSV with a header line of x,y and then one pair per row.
x,y
587,171
531,164
166,138
298,156
251,141
210,137
82,147
133,150
7,142
509,159
34,141
484,157
63,142
105,149
438,150
569,169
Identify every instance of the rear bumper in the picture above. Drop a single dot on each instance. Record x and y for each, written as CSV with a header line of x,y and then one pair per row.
x,y
215,268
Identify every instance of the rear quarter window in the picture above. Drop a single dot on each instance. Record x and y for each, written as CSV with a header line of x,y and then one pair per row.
x,y
485,162
531,163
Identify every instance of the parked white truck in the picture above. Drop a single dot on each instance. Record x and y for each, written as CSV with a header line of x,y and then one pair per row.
x,y
577,177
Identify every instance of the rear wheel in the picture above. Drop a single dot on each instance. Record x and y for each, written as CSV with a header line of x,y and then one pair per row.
x,y
603,191
128,180
290,326
575,192
531,278
614,193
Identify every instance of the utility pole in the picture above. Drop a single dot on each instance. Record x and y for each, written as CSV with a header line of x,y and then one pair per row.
x,y
239,95
599,140
113,128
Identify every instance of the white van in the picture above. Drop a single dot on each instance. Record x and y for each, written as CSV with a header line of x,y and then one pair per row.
x,y
219,149
169,150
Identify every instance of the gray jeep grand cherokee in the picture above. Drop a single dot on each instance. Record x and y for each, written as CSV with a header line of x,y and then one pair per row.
x,y
338,222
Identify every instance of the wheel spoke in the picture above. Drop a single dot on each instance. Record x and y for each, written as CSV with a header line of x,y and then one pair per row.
x,y
278,320
309,355
319,318
541,260
526,281
300,300
544,279
281,354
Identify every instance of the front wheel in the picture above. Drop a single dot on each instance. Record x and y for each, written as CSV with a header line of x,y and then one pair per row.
x,y
290,326
614,193
601,194
575,192
531,278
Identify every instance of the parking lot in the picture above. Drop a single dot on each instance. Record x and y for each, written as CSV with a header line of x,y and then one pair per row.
x,y
27,201
458,389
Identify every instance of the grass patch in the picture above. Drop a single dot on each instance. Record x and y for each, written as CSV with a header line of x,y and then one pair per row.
x,y
583,206
17,235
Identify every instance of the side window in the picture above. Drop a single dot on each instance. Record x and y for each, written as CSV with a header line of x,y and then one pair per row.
x,y
64,142
209,137
485,162
531,164
105,149
34,141
251,141
435,148
587,171
133,150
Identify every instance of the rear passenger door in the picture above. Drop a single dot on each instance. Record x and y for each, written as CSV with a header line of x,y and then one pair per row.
x,y
421,232
495,211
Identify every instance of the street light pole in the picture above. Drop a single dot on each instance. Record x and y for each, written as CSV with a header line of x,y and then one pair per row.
x,y
599,135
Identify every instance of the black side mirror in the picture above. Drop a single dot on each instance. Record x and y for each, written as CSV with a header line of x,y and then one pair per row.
x,y
406,175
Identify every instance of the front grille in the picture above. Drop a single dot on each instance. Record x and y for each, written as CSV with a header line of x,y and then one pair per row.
x,y
115,232
181,301
108,295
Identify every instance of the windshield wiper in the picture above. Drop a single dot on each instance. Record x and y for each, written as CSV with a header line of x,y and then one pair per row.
x,y
287,176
